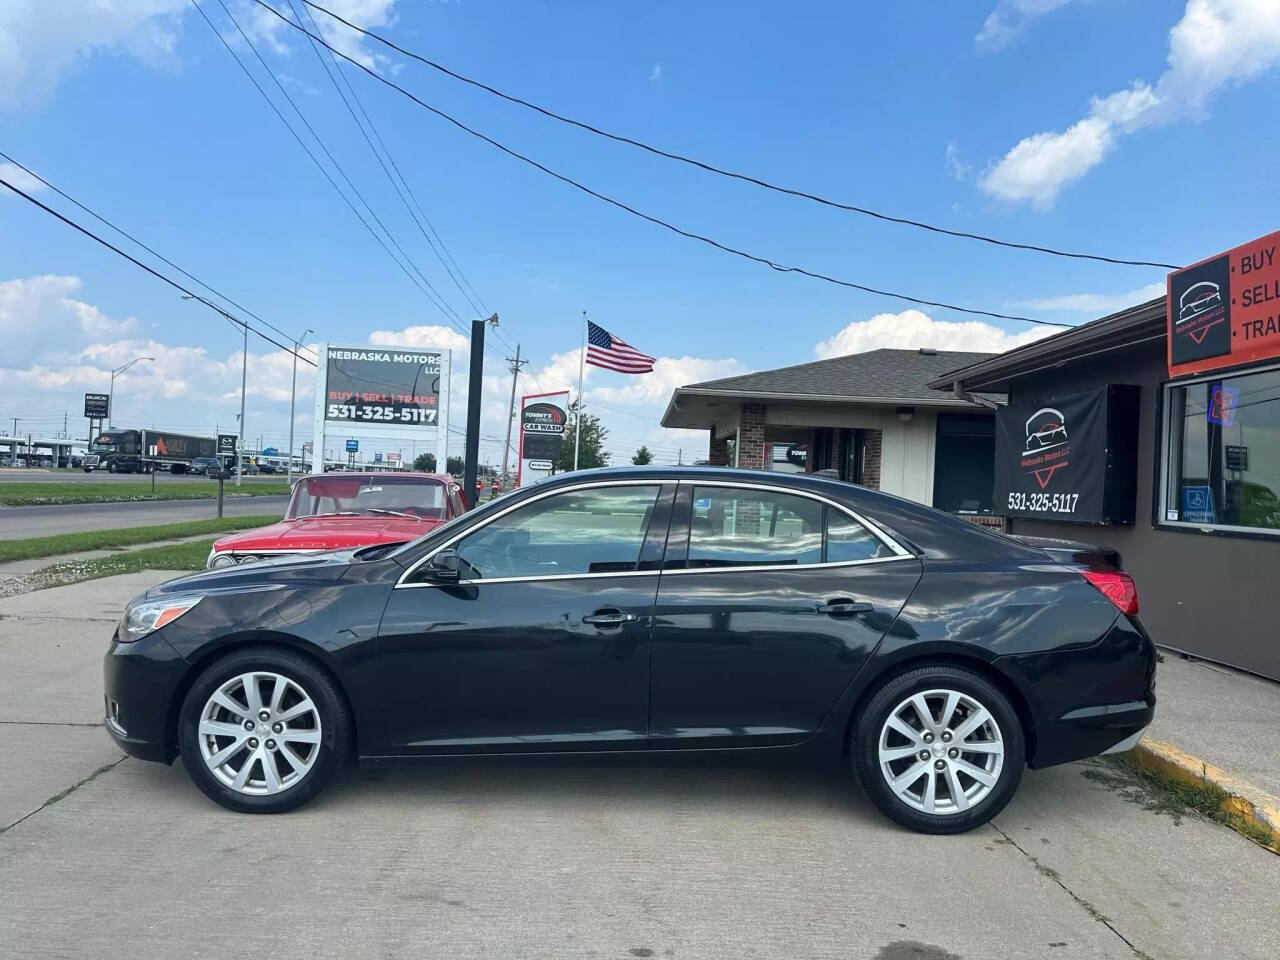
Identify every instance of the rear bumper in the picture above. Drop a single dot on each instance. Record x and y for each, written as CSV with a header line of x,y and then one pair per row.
x,y
1090,700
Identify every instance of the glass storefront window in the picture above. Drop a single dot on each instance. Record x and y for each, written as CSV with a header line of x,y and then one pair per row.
x,y
1222,452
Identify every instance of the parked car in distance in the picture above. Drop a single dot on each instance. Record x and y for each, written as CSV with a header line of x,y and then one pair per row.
x,y
646,609
267,468
344,511
201,466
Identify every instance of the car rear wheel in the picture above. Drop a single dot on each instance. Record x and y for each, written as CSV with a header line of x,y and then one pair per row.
x,y
938,749
263,730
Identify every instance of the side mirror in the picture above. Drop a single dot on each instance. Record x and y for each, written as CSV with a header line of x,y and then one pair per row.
x,y
444,567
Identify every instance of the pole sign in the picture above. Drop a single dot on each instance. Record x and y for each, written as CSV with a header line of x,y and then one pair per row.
x,y
96,406
543,419
353,446
1225,311
227,444
393,458
387,393
1068,458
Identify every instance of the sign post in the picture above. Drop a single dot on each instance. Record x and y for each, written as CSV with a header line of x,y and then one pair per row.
x,y
543,417
374,393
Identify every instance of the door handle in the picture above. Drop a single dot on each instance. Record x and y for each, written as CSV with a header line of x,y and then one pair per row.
x,y
608,617
843,607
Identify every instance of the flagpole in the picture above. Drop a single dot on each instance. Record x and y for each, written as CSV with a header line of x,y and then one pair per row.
x,y
582,366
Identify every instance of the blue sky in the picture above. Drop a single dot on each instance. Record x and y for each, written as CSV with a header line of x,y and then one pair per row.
x,y
1134,128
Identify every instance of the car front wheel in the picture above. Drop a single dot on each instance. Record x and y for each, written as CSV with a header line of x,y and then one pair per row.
x,y
263,730
938,749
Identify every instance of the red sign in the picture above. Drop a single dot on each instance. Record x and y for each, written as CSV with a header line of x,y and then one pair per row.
x,y
1225,311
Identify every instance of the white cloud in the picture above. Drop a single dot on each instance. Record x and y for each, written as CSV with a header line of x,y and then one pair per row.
x,y
40,40
956,165
656,72
20,179
912,329
1216,43
262,26
1010,19
1098,304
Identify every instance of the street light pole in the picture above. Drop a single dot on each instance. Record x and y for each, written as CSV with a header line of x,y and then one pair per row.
x,y
111,392
297,345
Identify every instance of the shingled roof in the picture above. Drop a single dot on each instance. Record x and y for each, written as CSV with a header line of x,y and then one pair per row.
x,y
876,375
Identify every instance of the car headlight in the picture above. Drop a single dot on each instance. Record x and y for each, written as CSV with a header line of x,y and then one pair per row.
x,y
218,560
143,618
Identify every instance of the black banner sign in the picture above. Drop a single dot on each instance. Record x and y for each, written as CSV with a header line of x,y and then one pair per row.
x,y
383,386
227,444
97,406
1051,458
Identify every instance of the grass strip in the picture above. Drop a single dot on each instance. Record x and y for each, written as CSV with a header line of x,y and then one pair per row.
x,y
1163,794
24,494
35,547
178,556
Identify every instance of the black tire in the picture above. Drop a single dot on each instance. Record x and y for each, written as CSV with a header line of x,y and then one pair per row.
x,y
336,728
864,749
111,467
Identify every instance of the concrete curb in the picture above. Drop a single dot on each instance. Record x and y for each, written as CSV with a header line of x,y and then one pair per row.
x,y
1245,801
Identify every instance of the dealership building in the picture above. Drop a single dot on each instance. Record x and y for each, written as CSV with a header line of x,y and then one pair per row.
x,y
870,418
1156,431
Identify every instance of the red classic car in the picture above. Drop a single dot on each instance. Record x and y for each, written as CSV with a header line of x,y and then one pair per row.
x,y
338,511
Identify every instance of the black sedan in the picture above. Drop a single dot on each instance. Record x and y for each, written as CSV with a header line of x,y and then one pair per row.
x,y
648,609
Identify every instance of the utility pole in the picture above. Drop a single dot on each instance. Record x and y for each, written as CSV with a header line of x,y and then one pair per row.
x,y
297,344
244,377
475,376
516,364
582,369
16,421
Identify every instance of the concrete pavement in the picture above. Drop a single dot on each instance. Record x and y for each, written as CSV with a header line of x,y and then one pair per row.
x,y
565,859
42,521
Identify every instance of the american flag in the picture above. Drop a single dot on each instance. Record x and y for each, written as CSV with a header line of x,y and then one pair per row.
x,y
606,350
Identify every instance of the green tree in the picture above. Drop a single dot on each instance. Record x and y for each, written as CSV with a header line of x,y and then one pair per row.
x,y
642,456
455,466
592,452
425,463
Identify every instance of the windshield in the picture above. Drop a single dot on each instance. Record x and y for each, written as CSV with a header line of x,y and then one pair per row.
x,y
414,497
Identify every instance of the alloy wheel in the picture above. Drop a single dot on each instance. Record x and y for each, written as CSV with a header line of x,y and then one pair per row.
x,y
259,733
941,752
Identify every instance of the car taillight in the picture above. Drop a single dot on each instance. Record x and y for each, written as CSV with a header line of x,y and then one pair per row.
x,y
1116,586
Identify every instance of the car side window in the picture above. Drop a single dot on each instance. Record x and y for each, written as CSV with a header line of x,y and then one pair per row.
x,y
739,527
600,530
849,540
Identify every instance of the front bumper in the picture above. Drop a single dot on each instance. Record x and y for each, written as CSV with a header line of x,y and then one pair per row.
x,y
141,682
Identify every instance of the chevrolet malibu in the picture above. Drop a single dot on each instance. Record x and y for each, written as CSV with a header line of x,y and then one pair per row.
x,y
649,610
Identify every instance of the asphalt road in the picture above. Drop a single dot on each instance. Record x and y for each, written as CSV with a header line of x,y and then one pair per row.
x,y
103,854
18,522
101,476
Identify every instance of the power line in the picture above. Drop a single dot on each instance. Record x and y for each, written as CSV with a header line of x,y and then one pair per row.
x,y
377,156
155,273
154,253
426,290
657,221
720,171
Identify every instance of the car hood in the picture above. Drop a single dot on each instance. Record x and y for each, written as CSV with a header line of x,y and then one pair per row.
x,y
325,533
274,573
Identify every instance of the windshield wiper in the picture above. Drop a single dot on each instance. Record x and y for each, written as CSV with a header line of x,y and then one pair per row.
x,y
336,513
393,513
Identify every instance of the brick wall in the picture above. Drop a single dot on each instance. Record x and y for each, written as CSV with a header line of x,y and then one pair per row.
x,y
872,441
717,451
751,446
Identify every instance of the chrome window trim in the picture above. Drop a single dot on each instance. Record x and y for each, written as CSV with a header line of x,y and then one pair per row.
x,y
899,553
